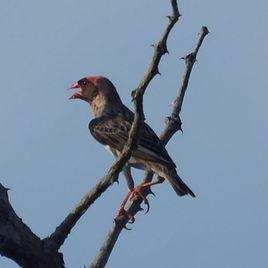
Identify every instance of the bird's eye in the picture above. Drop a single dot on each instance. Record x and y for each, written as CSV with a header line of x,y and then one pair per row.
x,y
84,83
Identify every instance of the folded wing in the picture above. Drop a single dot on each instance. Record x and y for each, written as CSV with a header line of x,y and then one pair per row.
x,y
114,130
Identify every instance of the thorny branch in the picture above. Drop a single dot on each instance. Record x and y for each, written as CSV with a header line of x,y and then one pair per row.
x,y
60,234
19,243
173,124
31,251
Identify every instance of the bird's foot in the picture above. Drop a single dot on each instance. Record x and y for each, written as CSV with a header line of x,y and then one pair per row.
x,y
139,190
124,213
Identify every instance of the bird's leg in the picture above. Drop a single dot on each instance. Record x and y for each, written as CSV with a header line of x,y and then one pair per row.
x,y
130,183
122,211
139,190
128,176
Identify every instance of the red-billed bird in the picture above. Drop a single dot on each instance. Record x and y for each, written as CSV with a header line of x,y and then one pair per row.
x,y
111,127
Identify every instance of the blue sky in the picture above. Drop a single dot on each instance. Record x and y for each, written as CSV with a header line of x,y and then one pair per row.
x,y
49,160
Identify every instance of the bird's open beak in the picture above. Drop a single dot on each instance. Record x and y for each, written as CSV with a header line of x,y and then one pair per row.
x,y
74,85
76,95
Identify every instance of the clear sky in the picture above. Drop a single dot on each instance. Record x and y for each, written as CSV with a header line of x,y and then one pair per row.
x,y
49,160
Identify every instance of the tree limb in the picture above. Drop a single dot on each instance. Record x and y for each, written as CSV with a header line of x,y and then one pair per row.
x,y
60,234
19,243
173,124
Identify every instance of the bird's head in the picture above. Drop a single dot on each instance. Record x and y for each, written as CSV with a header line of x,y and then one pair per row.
x,y
99,92
87,89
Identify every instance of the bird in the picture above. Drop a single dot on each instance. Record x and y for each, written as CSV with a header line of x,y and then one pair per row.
x,y
110,127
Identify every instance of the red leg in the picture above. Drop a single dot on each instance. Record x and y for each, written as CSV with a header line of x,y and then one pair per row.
x,y
122,211
139,190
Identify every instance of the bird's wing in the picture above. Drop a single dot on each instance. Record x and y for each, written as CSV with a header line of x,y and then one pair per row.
x,y
113,131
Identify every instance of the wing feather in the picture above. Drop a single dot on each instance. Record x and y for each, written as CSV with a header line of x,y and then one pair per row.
x,y
114,130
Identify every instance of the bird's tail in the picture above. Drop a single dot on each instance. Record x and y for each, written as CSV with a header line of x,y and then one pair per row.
x,y
179,186
173,178
176,182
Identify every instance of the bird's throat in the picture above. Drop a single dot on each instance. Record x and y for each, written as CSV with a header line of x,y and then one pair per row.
x,y
98,106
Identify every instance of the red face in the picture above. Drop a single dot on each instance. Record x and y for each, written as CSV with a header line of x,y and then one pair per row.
x,y
88,90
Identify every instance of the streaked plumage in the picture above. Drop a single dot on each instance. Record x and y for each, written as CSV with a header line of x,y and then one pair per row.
x,y
111,127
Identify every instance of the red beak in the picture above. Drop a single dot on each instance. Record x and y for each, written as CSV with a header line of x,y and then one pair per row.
x,y
76,95
74,85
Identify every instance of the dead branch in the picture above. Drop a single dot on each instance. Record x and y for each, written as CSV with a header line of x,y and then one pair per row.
x,y
173,124
62,231
19,243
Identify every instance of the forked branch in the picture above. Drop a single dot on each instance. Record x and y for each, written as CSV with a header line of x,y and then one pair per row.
x,y
62,231
173,124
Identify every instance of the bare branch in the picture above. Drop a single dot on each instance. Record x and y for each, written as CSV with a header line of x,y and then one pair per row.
x,y
62,231
159,49
19,243
120,222
173,124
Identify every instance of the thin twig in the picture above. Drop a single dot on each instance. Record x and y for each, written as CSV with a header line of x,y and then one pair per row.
x,y
173,124
160,48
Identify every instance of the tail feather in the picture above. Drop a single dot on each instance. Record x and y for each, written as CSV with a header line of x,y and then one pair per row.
x,y
179,186
170,173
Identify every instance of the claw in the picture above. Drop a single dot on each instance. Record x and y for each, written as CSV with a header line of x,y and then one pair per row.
x,y
151,192
115,181
140,208
147,207
131,219
125,227
122,212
